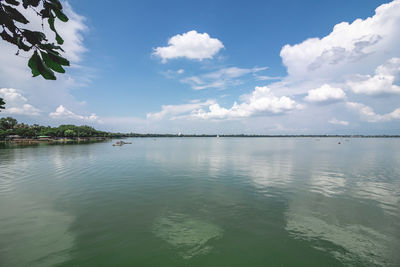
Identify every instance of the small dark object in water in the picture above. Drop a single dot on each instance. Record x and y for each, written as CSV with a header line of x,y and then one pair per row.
x,y
339,143
121,143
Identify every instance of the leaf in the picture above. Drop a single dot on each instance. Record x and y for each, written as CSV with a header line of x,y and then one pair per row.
x,y
51,24
34,37
59,40
45,71
7,21
51,47
7,37
26,3
59,59
2,103
15,14
60,15
38,66
33,64
46,12
51,64
22,45
12,2
56,3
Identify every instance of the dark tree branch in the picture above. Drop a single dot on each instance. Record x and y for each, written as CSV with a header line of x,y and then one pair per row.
x,y
46,58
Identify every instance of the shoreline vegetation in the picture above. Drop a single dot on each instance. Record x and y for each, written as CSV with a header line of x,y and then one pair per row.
x,y
13,132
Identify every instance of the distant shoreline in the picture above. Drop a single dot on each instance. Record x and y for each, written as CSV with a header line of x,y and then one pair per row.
x,y
100,139
264,136
13,132
54,140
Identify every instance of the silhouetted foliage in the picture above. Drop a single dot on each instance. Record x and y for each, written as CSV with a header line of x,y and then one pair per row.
x,y
2,103
46,58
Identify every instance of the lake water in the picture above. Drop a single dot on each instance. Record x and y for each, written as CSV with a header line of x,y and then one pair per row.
x,y
202,202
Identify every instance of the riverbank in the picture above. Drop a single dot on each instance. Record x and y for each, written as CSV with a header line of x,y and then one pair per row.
x,y
54,140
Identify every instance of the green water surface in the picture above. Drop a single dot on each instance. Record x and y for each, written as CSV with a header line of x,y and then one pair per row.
x,y
202,202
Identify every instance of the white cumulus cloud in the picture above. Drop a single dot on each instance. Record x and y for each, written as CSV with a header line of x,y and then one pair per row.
x,y
16,103
191,45
383,82
368,114
324,94
351,48
260,102
63,113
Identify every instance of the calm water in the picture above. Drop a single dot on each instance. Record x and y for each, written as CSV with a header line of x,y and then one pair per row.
x,y
202,202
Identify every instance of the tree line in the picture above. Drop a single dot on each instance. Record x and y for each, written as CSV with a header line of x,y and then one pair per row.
x,y
10,126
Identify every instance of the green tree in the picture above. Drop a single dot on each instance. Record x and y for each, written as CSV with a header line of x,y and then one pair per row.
x,y
69,133
3,133
8,123
46,58
25,132
48,131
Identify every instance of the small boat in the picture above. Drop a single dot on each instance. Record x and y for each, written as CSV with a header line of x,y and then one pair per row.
x,y
121,143
118,144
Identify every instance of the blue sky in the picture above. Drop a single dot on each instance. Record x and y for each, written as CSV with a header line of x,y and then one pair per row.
x,y
265,67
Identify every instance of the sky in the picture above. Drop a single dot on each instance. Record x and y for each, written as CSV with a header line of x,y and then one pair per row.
x,y
217,67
